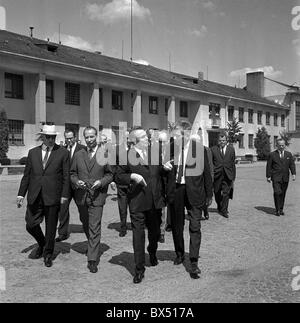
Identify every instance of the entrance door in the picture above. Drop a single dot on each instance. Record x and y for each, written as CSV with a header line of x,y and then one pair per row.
x,y
213,138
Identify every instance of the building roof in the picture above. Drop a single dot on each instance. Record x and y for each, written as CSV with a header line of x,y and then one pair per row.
x,y
12,43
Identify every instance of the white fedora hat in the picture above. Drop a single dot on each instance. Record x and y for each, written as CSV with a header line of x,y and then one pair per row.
x,y
48,130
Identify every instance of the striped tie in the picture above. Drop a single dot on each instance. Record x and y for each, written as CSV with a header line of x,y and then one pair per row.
x,y
46,158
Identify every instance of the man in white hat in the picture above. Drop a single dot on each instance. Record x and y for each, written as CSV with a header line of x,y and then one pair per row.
x,y
46,181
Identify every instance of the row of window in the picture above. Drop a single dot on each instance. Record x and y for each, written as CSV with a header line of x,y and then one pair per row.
x,y
251,141
14,90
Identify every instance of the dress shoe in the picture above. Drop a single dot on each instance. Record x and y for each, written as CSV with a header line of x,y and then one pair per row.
x,y
277,213
281,212
194,276
38,253
225,214
122,233
138,277
92,266
161,238
153,259
168,228
62,238
179,260
195,271
48,261
206,215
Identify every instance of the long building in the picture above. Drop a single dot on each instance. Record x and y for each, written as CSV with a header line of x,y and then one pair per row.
x,y
41,81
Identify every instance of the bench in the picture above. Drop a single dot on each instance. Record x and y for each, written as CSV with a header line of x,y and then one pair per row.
x,y
6,167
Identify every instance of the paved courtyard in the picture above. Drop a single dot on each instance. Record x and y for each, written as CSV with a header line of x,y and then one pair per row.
x,y
246,258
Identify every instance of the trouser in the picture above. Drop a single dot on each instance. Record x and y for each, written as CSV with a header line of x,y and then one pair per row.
x,y
35,214
122,205
222,193
64,219
177,211
91,217
279,189
165,219
139,220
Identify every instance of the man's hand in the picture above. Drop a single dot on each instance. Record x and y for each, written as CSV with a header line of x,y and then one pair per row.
x,y
138,179
97,184
63,200
80,184
294,177
113,186
269,179
168,166
20,200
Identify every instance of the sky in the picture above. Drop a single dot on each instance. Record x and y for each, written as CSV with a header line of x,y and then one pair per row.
x,y
222,38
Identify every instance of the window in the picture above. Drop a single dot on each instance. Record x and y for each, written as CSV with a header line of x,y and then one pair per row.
x,y
283,120
100,99
230,113
298,107
15,132
14,86
50,91
268,116
250,116
251,141
241,114
275,119
214,110
74,127
241,141
72,93
275,142
297,123
183,109
117,100
166,106
153,105
259,117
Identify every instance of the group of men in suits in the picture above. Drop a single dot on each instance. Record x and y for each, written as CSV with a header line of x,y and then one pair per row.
x,y
181,174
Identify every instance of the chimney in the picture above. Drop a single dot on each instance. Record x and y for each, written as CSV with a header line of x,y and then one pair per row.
x,y
2,18
200,76
256,83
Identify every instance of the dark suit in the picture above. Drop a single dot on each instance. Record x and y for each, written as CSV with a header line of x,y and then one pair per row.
x,y
145,204
278,169
44,188
193,195
64,214
90,202
224,176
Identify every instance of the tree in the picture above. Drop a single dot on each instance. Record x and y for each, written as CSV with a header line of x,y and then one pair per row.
x,y
286,137
233,130
3,134
262,144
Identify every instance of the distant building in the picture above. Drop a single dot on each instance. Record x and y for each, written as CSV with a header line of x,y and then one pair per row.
x,y
43,82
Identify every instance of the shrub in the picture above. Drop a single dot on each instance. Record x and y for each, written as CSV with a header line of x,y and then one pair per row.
x,y
23,161
5,161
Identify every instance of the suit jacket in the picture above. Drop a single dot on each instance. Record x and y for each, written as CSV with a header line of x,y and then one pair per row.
x,y
224,164
199,187
89,171
141,199
279,169
77,148
53,181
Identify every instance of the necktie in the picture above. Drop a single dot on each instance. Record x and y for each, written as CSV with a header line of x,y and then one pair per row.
x,y
46,158
90,153
180,167
222,152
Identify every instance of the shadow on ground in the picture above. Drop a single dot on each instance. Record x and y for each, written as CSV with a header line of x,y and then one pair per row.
x,y
126,259
265,209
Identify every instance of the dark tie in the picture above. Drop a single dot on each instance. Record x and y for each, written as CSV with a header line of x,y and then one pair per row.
x,y
46,158
180,166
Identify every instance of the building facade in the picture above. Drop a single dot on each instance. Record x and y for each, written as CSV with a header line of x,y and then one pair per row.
x,y
46,82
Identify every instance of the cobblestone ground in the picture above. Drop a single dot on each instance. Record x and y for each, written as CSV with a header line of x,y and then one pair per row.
x,y
246,258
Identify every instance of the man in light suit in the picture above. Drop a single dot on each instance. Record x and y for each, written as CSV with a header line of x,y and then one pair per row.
x,y
47,181
145,198
279,166
73,147
223,156
91,174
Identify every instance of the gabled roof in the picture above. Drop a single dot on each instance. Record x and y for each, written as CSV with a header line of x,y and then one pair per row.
x,y
12,43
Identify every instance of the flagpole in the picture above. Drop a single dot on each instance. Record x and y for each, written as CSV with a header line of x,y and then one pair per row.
x,y
131,33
